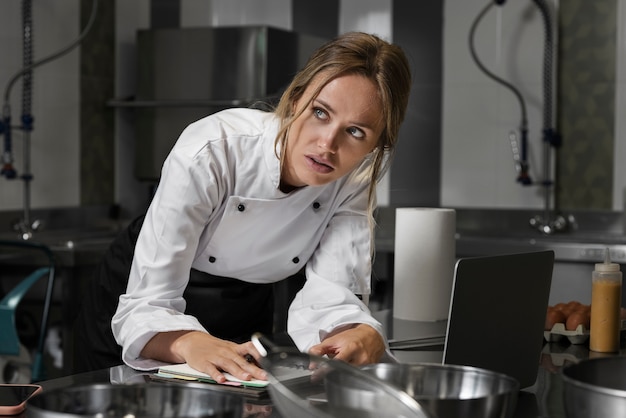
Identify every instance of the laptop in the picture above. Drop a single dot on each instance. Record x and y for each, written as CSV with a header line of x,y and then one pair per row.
x,y
496,317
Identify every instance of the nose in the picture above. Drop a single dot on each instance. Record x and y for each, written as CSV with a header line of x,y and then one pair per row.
x,y
329,141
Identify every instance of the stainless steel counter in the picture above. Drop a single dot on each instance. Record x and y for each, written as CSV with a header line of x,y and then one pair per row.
x,y
566,248
490,232
481,232
76,236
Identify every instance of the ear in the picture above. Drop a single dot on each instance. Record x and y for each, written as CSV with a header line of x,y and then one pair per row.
x,y
294,106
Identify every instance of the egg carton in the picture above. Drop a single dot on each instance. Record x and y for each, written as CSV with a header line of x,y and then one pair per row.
x,y
558,333
578,336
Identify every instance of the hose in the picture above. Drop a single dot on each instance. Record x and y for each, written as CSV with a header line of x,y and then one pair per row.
x,y
26,72
547,63
523,176
27,53
74,44
550,138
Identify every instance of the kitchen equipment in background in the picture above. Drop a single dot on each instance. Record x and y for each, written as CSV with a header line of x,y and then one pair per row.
x,y
423,263
448,390
185,74
136,400
552,220
25,225
595,387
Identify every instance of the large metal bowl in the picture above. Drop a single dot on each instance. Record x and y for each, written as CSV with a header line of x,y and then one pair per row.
x,y
595,388
137,400
301,385
446,390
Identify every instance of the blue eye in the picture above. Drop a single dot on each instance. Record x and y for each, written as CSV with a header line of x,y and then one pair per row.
x,y
356,132
319,113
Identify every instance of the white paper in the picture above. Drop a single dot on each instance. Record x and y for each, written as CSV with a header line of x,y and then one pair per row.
x,y
424,258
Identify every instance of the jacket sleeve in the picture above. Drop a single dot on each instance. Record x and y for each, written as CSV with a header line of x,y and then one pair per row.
x,y
164,253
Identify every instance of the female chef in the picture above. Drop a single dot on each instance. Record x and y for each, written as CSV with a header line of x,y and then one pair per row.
x,y
248,198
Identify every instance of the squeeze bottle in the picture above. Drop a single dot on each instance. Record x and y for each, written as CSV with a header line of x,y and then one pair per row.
x,y
606,301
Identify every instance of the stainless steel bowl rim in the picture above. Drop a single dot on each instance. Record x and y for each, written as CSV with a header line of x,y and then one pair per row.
x,y
459,367
53,392
590,386
455,367
446,390
122,386
594,388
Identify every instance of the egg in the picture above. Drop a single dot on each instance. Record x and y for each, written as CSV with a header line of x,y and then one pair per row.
x,y
553,316
576,318
574,305
566,308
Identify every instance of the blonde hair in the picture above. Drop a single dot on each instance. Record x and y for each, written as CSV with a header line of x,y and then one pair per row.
x,y
369,56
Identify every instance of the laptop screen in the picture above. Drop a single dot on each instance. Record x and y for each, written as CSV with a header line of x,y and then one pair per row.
x,y
497,313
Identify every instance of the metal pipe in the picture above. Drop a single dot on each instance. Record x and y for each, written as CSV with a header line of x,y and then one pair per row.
x,y
27,92
547,183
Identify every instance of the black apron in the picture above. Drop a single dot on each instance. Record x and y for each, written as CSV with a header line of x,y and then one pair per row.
x,y
228,308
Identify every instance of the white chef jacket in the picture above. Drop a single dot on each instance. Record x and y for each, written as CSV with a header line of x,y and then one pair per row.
x,y
218,208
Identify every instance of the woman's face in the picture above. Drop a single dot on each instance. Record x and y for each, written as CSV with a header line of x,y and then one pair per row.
x,y
333,135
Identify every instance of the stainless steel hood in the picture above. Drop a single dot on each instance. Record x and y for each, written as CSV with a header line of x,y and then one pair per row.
x,y
185,74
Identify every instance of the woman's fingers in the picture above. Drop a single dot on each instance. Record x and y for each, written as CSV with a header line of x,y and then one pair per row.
x,y
215,357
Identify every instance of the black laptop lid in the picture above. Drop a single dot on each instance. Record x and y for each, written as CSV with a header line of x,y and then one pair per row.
x,y
497,313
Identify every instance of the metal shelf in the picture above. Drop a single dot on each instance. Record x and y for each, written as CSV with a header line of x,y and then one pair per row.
x,y
181,103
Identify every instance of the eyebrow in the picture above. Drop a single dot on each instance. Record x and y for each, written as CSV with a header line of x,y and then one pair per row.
x,y
330,108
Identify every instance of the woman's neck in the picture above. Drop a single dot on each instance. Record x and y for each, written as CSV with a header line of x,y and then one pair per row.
x,y
286,187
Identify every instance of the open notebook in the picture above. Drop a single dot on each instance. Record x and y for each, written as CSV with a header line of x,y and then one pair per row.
x,y
185,372
496,317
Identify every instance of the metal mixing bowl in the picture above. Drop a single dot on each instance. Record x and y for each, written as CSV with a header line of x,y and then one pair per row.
x,y
595,388
445,390
138,400
301,385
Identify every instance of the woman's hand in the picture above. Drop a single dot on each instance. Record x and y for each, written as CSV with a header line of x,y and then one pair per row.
x,y
357,345
207,354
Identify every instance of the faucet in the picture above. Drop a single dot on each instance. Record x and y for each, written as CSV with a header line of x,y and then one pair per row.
x,y
551,221
25,226
27,229
559,223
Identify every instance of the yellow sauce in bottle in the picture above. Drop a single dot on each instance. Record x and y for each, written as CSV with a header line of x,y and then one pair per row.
x,y
606,301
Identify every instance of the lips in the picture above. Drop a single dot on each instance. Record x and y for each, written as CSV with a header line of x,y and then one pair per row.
x,y
319,164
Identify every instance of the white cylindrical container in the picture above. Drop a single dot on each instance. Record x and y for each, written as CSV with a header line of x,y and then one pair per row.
x,y
424,258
